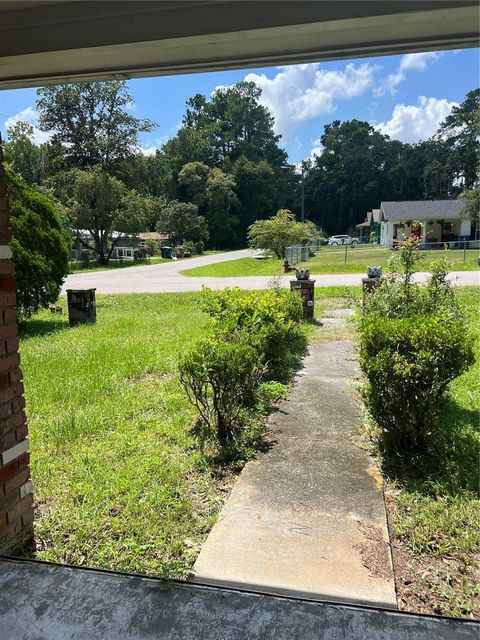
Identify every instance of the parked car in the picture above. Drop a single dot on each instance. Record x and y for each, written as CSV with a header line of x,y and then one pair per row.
x,y
335,241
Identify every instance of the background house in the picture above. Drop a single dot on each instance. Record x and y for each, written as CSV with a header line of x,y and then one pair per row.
x,y
125,248
442,222
155,237
371,224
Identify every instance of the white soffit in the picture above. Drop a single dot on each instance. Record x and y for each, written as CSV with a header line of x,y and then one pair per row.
x,y
47,42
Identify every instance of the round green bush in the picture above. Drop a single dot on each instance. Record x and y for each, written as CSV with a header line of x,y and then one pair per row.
x,y
40,246
269,320
221,380
409,363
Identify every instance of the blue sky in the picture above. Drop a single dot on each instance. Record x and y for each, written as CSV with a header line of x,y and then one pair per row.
x,y
405,96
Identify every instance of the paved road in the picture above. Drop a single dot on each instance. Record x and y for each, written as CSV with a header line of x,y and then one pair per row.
x,y
166,277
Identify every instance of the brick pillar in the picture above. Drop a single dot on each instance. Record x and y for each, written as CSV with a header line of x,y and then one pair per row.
x,y
16,511
306,290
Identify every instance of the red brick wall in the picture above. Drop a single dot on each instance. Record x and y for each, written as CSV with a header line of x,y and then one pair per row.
x,y
16,512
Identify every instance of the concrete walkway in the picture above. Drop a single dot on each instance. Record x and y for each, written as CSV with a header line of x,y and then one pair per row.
x,y
307,517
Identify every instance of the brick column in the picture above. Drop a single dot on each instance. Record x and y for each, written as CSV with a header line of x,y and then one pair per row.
x,y
16,511
306,290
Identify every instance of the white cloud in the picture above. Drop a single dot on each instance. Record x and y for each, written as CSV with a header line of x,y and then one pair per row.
x,y
301,92
29,114
316,149
418,60
410,123
389,84
149,151
409,61
157,143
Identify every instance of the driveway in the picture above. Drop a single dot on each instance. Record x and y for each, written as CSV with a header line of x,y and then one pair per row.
x,y
166,277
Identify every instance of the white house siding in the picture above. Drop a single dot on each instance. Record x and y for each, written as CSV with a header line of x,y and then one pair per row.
x,y
397,218
465,227
386,234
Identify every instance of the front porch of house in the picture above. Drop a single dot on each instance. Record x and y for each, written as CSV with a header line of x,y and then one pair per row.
x,y
456,233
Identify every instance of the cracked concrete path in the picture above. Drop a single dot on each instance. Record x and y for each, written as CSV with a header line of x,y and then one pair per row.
x,y
307,517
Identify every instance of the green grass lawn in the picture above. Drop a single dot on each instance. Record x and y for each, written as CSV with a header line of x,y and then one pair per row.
x,y
117,481
435,514
329,260
119,484
115,264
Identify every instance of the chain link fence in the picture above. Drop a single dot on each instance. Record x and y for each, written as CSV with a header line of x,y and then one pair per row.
x,y
296,253
314,245
301,253
459,251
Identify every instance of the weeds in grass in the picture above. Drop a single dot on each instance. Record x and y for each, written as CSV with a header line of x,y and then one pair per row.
x,y
118,481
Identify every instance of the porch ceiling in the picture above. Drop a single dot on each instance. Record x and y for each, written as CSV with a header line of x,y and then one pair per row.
x,y
50,41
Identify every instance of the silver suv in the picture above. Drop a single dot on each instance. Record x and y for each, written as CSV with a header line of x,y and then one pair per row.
x,y
335,241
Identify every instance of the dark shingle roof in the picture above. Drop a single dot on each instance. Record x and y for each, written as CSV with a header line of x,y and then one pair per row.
x,y
422,209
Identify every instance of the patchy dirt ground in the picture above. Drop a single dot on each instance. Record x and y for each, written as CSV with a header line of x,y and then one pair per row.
x,y
433,585
374,551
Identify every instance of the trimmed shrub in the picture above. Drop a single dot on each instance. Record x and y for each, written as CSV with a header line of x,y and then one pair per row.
x,y
409,363
399,297
40,246
255,337
269,321
221,380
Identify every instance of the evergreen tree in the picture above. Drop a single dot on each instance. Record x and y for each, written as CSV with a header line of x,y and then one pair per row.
x,y
40,245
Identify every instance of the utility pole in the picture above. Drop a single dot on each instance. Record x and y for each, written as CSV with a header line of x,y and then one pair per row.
x,y
302,215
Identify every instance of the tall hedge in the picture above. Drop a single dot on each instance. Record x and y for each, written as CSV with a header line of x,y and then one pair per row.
x,y
40,246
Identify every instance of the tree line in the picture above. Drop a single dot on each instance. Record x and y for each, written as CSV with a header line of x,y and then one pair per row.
x,y
225,168
359,167
227,164
221,171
